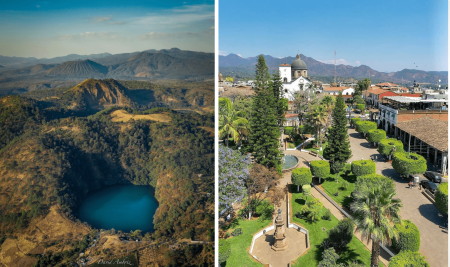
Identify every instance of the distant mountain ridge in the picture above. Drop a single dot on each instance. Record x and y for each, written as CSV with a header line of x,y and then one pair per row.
x,y
25,74
315,68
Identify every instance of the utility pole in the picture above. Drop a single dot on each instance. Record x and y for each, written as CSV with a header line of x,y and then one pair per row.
x,y
334,66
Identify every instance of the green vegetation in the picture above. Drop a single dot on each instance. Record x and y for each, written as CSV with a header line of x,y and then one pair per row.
x,y
363,167
361,107
365,126
231,122
442,197
386,146
409,163
376,135
355,250
408,236
374,211
408,258
340,235
354,121
329,258
341,192
338,147
224,250
320,168
263,137
301,176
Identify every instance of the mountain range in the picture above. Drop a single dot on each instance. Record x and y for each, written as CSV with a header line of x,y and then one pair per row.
x,y
233,63
20,74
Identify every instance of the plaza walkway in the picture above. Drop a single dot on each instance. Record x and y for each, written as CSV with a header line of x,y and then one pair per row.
x,y
416,207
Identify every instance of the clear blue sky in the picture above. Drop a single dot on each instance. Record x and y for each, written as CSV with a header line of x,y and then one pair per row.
x,y
58,28
385,35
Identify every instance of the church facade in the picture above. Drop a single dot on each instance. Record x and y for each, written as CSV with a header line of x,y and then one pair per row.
x,y
294,77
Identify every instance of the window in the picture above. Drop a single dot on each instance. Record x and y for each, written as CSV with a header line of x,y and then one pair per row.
x,y
285,90
285,79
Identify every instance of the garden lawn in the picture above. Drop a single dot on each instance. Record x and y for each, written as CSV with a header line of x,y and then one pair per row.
x,y
330,187
310,144
291,145
355,251
239,244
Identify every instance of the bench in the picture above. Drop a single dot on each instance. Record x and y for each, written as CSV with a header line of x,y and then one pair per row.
x,y
313,153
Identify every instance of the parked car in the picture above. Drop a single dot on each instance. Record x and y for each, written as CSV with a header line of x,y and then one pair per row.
x,y
433,176
411,177
429,185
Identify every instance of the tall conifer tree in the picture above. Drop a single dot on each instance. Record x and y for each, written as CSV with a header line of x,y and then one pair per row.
x,y
264,129
338,142
277,87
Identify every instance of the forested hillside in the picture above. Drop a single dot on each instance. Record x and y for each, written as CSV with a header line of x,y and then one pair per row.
x,y
52,155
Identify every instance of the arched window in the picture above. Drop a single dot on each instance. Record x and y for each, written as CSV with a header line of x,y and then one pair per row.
x,y
285,79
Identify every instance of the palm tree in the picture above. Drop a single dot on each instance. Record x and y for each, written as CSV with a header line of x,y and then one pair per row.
x,y
231,123
375,211
317,118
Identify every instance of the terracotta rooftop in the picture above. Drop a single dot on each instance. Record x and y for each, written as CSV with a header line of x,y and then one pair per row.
x,y
285,65
429,130
336,88
290,115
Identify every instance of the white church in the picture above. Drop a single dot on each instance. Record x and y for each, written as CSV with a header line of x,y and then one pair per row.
x,y
294,77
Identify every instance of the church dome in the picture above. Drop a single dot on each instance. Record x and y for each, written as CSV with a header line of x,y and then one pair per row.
x,y
298,64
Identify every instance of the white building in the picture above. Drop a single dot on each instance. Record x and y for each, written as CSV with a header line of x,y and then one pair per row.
x,y
346,90
294,76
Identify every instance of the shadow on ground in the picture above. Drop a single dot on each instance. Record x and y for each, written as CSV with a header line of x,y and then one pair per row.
x,y
431,213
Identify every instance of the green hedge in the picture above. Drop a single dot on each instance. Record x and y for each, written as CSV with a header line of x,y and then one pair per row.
x,y
360,106
442,197
301,176
289,130
376,135
305,129
386,145
354,120
409,163
363,167
320,168
224,250
408,258
365,126
408,236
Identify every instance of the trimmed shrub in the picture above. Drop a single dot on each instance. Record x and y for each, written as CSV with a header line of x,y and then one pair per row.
x,y
224,250
360,107
329,258
386,146
237,232
408,236
409,163
376,135
442,197
365,126
340,235
320,168
354,120
408,258
301,176
363,167
327,215
289,130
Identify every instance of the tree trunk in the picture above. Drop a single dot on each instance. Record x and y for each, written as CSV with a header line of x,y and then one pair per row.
x,y
375,253
298,188
249,215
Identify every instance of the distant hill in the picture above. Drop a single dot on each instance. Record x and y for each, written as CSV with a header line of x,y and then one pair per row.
x,y
233,63
78,69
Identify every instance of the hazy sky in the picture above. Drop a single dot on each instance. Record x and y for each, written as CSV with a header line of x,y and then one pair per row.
x,y
46,29
387,35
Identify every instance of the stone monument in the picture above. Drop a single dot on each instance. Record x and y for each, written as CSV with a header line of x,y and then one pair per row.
x,y
280,243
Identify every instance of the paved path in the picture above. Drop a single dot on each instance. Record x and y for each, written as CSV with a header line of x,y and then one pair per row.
x,y
416,207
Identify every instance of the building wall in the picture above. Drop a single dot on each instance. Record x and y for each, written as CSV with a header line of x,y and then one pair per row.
x,y
285,72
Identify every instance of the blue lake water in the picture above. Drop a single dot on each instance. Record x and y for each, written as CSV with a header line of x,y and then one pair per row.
x,y
122,207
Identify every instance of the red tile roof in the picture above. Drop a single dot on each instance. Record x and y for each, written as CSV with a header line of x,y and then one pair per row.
x,y
290,115
387,84
285,65
410,95
378,91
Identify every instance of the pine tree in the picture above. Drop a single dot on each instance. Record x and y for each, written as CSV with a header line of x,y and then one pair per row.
x,y
338,142
277,87
264,129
